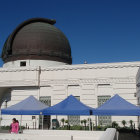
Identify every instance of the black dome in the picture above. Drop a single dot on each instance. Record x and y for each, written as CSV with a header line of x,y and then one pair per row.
x,y
37,39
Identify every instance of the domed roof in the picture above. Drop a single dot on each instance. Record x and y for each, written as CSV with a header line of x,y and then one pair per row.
x,y
37,39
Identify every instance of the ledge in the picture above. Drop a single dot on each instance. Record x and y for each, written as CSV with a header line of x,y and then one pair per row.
x,y
76,67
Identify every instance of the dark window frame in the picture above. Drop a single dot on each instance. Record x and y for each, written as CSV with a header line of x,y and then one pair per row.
x,y
22,63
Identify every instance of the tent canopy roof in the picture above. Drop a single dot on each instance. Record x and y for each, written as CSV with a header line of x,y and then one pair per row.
x,y
117,106
29,106
69,106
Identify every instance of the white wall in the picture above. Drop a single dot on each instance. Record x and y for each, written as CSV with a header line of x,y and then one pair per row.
x,y
32,63
84,80
18,94
60,135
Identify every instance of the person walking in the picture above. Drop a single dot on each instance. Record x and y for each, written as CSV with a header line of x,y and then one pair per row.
x,y
14,127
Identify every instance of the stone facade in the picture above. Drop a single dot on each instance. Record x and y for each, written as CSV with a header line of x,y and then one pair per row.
x,y
86,81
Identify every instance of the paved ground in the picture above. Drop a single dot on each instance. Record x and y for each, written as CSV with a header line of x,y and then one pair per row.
x,y
128,136
122,136
4,131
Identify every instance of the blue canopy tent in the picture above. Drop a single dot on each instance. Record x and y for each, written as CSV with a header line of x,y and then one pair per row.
x,y
29,106
69,106
117,106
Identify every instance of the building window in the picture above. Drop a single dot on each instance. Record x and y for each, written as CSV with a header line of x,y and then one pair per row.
x,y
103,120
46,100
22,63
74,120
47,119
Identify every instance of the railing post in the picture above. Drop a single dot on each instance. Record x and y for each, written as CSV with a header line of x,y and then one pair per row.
x,y
71,137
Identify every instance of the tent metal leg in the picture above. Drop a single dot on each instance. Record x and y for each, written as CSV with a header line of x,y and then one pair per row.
x,y
20,122
68,120
92,125
51,126
96,122
89,123
42,121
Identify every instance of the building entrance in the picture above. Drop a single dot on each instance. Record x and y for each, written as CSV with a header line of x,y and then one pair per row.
x,y
47,119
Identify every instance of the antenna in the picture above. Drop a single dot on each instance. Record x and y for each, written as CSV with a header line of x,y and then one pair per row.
x,y
85,62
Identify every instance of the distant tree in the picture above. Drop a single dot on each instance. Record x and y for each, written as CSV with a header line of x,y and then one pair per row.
x,y
82,121
100,123
124,123
63,121
131,123
85,122
114,124
89,120
66,121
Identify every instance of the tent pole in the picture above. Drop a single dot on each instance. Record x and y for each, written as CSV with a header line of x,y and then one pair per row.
x,y
92,123
68,123
42,121
89,123
51,126
20,122
96,121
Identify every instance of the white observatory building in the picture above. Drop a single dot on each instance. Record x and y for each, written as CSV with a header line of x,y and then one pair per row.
x,y
37,61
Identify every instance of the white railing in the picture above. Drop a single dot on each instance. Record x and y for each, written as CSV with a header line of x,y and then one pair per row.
x,y
32,137
109,134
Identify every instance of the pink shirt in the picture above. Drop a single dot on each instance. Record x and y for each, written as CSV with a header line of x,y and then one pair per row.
x,y
14,127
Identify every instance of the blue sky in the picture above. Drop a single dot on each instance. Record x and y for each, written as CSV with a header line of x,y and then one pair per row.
x,y
99,31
